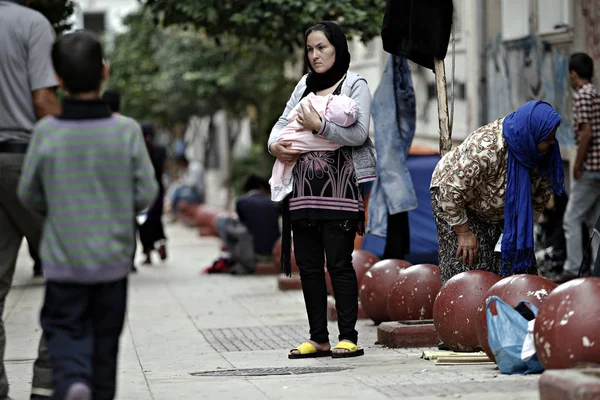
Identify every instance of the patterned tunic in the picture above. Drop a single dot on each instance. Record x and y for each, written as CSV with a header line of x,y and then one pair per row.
x,y
325,186
472,178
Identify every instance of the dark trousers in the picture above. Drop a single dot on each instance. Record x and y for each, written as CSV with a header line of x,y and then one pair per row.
x,y
397,243
315,241
82,324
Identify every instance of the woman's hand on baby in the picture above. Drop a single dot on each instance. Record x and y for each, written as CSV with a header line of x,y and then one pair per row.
x,y
283,153
309,118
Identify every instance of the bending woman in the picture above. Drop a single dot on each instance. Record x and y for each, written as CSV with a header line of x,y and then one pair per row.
x,y
497,182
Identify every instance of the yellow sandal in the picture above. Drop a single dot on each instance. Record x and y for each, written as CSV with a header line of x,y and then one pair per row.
x,y
307,350
353,350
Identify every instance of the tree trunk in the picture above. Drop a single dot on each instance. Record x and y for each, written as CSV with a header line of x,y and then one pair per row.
x,y
442,100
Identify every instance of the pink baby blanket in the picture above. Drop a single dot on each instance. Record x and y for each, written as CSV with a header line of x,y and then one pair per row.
x,y
340,110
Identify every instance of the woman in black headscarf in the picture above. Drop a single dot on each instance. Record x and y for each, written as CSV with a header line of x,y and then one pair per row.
x,y
152,230
325,209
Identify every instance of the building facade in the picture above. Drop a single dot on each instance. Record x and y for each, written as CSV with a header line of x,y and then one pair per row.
x,y
506,53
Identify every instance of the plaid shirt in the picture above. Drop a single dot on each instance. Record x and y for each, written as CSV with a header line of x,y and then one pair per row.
x,y
586,108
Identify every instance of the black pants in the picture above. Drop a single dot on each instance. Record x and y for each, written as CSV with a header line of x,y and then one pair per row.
x,y
82,324
315,241
397,243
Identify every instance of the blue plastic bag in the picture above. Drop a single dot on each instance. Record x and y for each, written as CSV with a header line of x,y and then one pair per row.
x,y
506,334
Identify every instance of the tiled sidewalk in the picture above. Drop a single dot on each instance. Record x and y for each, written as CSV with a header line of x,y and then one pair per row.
x,y
180,323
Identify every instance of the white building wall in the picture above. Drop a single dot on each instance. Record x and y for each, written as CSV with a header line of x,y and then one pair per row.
x,y
370,60
115,11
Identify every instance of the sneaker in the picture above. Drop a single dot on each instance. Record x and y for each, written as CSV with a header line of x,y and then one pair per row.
x,y
220,266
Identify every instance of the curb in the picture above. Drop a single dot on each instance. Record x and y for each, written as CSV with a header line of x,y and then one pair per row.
x,y
570,384
407,334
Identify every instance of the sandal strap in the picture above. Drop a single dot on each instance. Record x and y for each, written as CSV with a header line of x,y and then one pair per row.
x,y
351,347
305,348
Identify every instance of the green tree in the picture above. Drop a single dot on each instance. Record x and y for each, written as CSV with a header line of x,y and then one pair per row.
x,y
58,12
278,23
134,70
169,74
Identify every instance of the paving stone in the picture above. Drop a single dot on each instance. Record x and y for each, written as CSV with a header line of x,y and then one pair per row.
x,y
570,385
180,322
332,312
399,334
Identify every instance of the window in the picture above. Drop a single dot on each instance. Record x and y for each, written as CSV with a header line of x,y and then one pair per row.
x,y
515,19
95,22
553,15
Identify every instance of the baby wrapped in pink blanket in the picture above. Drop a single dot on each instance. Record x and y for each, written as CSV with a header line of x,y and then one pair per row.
x,y
340,110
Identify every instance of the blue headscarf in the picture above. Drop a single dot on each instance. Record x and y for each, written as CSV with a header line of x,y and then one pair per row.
x,y
531,124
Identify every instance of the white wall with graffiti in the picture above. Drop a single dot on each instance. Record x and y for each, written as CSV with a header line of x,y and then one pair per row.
x,y
528,54
529,69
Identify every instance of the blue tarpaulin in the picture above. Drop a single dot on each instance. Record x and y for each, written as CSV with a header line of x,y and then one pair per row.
x,y
423,233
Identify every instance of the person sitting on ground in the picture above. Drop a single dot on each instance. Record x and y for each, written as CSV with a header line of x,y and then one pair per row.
x,y
252,235
337,109
491,189
191,186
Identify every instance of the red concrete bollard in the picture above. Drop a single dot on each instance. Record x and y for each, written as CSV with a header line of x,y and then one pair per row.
x,y
285,283
567,327
205,213
412,295
375,286
362,261
186,208
277,257
511,290
328,283
455,308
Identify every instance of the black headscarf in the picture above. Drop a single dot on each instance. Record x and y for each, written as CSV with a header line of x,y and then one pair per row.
x,y
316,81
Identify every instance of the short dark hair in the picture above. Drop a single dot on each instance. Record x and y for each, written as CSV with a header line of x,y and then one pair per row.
x,y
147,130
256,182
78,59
112,97
582,64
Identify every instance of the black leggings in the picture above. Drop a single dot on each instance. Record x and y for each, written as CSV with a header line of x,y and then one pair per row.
x,y
331,240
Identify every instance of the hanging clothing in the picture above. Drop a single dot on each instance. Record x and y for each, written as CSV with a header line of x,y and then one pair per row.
x,y
394,119
418,30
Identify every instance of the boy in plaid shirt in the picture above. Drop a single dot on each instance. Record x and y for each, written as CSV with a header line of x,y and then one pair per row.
x,y
584,197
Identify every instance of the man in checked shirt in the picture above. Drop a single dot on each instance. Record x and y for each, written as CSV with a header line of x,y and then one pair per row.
x,y
584,196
